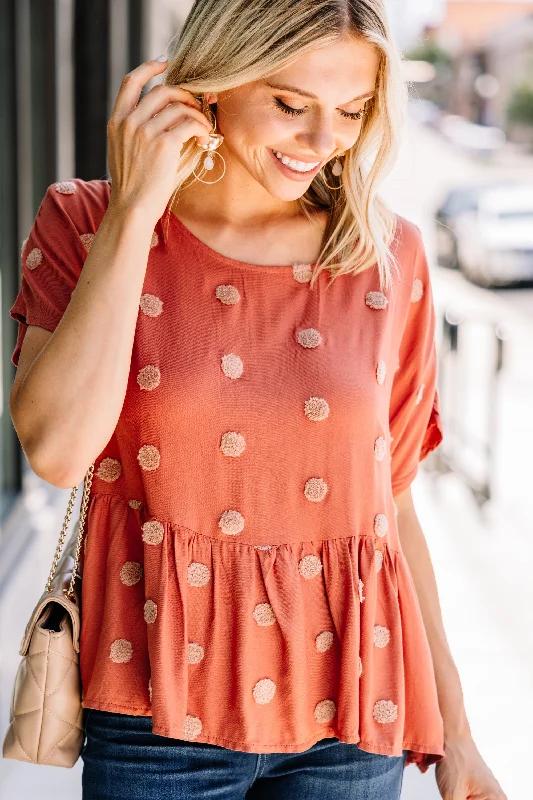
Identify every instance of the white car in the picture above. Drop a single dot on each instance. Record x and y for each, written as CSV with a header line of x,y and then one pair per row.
x,y
495,242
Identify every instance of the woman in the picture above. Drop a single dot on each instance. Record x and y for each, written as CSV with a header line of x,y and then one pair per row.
x,y
253,375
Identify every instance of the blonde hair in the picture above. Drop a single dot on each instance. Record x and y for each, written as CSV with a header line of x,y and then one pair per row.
x,y
226,43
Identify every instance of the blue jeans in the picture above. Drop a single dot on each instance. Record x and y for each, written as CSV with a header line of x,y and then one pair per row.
x,y
124,760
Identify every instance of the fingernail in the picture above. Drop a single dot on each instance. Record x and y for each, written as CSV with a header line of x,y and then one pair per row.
x,y
161,58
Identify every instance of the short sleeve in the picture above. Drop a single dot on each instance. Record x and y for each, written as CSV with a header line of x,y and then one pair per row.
x,y
414,415
53,254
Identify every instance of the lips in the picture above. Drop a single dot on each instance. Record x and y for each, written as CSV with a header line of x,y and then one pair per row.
x,y
295,175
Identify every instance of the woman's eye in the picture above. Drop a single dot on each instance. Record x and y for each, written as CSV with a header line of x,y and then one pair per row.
x,y
295,112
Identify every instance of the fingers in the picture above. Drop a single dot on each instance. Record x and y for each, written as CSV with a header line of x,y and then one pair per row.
x,y
175,115
131,86
158,99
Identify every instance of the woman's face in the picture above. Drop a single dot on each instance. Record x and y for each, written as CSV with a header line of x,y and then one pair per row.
x,y
329,88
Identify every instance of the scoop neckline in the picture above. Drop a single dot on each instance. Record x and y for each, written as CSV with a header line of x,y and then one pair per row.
x,y
232,262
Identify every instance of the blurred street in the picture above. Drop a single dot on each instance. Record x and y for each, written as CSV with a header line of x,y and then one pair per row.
x,y
482,558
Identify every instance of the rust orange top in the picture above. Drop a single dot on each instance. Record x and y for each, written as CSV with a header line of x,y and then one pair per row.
x,y
243,578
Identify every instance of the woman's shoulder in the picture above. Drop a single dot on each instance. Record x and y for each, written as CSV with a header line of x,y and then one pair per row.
x,y
83,203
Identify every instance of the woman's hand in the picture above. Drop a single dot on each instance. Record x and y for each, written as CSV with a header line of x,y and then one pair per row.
x,y
145,139
463,775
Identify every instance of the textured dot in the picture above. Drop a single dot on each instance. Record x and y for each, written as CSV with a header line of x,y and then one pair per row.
x,y
197,574
324,641
360,667
381,371
150,611
302,272
310,566
379,448
120,651
263,546
231,365
264,691
136,504
154,241
151,305
380,525
34,258
385,711
232,444
65,187
420,393
153,532
149,377
149,457
325,710
316,408
150,688
378,556
109,470
227,294
264,614
131,573
376,300
381,636
192,727
195,653
361,595
309,337
315,489
417,290
87,240
231,522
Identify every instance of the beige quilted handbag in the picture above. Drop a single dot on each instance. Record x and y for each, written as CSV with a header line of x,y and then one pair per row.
x,y
46,715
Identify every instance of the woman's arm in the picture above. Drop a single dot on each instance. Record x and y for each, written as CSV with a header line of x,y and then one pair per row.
x,y
415,549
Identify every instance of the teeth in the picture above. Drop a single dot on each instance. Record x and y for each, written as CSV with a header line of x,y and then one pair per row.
x,y
298,166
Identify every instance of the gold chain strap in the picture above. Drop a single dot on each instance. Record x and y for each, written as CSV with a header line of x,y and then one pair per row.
x,y
83,513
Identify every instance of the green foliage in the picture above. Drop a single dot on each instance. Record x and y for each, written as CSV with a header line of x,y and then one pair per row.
x,y
520,105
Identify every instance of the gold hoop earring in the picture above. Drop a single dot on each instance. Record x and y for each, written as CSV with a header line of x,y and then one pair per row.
x,y
337,169
215,140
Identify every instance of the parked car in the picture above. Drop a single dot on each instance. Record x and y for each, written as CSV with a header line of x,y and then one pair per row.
x,y
495,241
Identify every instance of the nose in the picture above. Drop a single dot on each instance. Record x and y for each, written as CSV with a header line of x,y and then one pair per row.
x,y
320,139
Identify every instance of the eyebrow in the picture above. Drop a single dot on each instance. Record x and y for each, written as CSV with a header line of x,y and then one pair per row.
x,y
294,89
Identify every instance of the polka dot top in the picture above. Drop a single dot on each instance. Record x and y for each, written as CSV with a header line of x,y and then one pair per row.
x,y
243,577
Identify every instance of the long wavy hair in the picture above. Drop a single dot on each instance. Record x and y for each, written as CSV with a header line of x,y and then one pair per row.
x,y
226,43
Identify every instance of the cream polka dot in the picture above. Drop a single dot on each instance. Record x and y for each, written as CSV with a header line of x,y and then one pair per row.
x,y
309,337
150,611
150,688
380,525
360,667
65,187
192,727
227,294
87,240
263,546
34,258
381,636
376,300
232,444
361,595
324,641
381,372
310,566
325,710
231,522
153,532
149,377
379,448
302,272
131,573
264,615
316,408
385,711
378,556
154,241
135,504
120,651
149,457
315,489
195,653
197,574
231,365
420,393
151,305
264,690
109,470
417,290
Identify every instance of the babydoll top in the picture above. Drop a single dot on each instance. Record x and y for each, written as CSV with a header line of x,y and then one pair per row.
x,y
243,577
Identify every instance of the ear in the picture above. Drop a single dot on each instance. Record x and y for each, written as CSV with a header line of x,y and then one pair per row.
x,y
211,97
